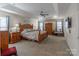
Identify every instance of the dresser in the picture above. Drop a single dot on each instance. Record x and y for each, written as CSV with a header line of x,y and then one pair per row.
x,y
14,37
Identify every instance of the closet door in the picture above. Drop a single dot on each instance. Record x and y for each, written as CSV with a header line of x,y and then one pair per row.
x,y
4,40
48,28
0,43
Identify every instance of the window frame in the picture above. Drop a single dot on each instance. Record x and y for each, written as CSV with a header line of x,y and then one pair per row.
x,y
56,25
7,24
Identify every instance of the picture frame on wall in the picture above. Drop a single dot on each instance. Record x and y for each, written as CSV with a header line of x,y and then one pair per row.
x,y
69,22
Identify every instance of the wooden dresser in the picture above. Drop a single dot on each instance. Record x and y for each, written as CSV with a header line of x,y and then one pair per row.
x,y
14,37
3,40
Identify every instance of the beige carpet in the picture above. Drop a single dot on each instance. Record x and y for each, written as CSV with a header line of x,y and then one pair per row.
x,y
51,46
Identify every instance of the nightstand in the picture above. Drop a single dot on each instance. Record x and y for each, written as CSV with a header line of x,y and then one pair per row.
x,y
14,37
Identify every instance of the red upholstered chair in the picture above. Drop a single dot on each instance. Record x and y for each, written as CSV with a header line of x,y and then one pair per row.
x,y
9,52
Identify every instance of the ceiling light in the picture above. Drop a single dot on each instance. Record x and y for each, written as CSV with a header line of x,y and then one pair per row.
x,y
43,13
55,16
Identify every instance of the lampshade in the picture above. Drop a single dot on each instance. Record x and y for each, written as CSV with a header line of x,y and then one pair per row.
x,y
17,25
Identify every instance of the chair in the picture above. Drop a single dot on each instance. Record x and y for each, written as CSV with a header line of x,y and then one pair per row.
x,y
9,52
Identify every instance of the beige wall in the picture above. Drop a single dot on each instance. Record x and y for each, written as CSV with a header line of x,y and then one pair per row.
x,y
34,21
13,19
72,38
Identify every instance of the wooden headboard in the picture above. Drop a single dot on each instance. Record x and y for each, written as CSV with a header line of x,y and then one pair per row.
x,y
25,26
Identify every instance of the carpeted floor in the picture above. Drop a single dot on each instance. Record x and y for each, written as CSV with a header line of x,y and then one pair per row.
x,y
51,46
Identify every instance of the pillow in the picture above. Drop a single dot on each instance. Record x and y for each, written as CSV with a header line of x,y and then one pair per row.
x,y
23,32
28,30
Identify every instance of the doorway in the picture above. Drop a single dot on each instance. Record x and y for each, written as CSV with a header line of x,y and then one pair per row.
x,y
48,28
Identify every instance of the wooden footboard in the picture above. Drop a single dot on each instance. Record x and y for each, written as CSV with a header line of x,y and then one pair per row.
x,y
42,36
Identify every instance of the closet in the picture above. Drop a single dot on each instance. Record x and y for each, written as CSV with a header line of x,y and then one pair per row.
x,y
4,31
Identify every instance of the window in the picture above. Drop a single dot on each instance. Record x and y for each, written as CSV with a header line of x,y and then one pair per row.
x,y
59,26
3,23
66,24
41,25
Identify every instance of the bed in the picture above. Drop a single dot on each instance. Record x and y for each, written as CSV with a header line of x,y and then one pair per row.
x,y
28,33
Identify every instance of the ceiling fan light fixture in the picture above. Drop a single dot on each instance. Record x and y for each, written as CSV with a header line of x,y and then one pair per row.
x,y
42,13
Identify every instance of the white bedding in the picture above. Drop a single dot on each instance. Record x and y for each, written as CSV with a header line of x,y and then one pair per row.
x,y
33,35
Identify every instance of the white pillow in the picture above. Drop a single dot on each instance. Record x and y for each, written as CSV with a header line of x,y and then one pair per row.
x,y
26,30
23,32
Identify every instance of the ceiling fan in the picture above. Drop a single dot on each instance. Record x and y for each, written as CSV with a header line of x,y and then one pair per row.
x,y
43,13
